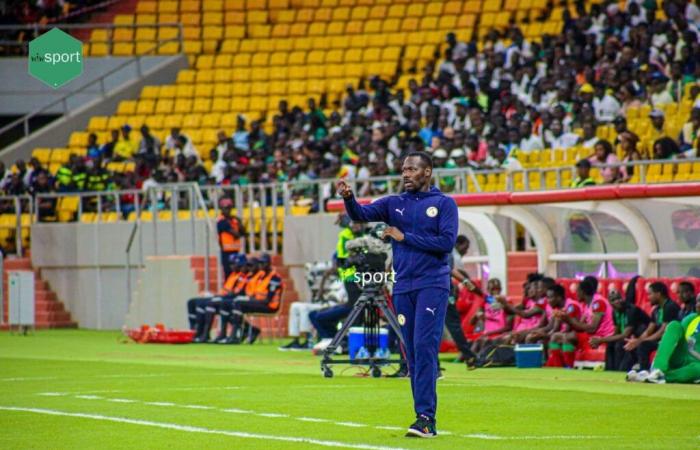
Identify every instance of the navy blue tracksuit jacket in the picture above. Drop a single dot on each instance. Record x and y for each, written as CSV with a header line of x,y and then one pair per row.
x,y
429,222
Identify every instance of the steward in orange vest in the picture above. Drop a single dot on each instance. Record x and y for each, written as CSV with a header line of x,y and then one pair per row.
x,y
230,230
263,294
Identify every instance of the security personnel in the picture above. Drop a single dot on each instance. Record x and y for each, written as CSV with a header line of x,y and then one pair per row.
x,y
79,174
97,178
350,230
583,172
201,310
64,176
230,231
264,295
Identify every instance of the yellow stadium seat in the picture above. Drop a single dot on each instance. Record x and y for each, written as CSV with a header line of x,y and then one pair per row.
x,y
317,29
173,121
335,28
126,107
182,106
230,46
145,107
259,31
123,35
213,32
150,92
186,76
241,60
201,105
256,17
235,32
336,56
280,30
278,59
123,49
220,104
241,74
191,121
155,121
190,6
213,119
234,18
239,104
260,59
146,7
397,11
298,29
97,123
116,122
391,25
42,154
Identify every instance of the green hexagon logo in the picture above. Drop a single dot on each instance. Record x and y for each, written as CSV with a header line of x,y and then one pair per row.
x,y
55,58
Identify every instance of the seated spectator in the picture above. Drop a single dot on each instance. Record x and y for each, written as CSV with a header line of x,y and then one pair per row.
x,y
46,205
500,160
630,322
628,99
94,150
529,141
686,295
299,323
589,138
691,130
240,136
678,357
665,148
628,143
496,321
557,138
605,105
596,321
658,94
604,154
658,128
583,175
126,147
665,310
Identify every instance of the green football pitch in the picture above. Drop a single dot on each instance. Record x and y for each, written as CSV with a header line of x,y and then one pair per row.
x,y
85,389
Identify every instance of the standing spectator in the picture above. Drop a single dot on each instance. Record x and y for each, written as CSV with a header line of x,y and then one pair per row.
x,y
149,148
665,311
107,150
240,136
222,145
603,155
231,232
125,149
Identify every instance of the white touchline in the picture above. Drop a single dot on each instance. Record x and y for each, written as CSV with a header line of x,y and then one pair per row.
x,y
481,436
192,429
29,379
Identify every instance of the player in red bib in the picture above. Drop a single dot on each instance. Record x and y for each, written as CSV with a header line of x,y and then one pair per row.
x,y
596,320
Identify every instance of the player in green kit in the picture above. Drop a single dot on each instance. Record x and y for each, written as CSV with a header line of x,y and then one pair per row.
x,y
678,357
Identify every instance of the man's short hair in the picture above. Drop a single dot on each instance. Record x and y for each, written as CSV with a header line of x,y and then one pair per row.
x,y
424,157
534,276
688,286
548,282
659,288
558,290
462,239
593,280
587,287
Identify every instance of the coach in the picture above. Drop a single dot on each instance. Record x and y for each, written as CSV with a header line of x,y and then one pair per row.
x,y
423,228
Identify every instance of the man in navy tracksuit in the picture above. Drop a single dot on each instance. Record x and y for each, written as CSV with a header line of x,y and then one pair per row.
x,y
423,226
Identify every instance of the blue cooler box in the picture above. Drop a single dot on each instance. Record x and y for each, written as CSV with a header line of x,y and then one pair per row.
x,y
528,356
356,340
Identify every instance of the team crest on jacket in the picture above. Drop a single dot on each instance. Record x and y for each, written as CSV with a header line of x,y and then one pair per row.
x,y
432,211
402,319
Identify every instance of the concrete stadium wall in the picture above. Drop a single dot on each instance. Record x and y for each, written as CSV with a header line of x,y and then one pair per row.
x,y
162,70
158,296
85,263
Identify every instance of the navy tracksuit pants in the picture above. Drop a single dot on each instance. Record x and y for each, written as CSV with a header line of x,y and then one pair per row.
x,y
421,314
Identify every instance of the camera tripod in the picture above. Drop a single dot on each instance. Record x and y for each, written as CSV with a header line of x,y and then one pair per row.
x,y
370,299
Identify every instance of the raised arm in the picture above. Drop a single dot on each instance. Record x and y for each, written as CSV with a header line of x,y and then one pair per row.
x,y
374,212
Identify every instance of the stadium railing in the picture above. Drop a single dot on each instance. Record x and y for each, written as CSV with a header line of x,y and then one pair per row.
x,y
24,121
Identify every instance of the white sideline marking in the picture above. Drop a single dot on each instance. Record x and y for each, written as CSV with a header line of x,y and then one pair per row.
x,y
192,429
350,424
481,436
29,379
236,411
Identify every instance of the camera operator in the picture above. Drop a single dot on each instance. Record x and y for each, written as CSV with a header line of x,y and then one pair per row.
x,y
326,321
423,226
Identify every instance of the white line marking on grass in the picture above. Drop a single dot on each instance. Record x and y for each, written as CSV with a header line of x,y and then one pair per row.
x,y
350,424
90,397
237,411
381,427
192,429
52,394
197,407
312,419
120,400
158,403
29,379
271,415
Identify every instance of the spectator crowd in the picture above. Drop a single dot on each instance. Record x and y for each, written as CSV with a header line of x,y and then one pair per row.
x,y
479,104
